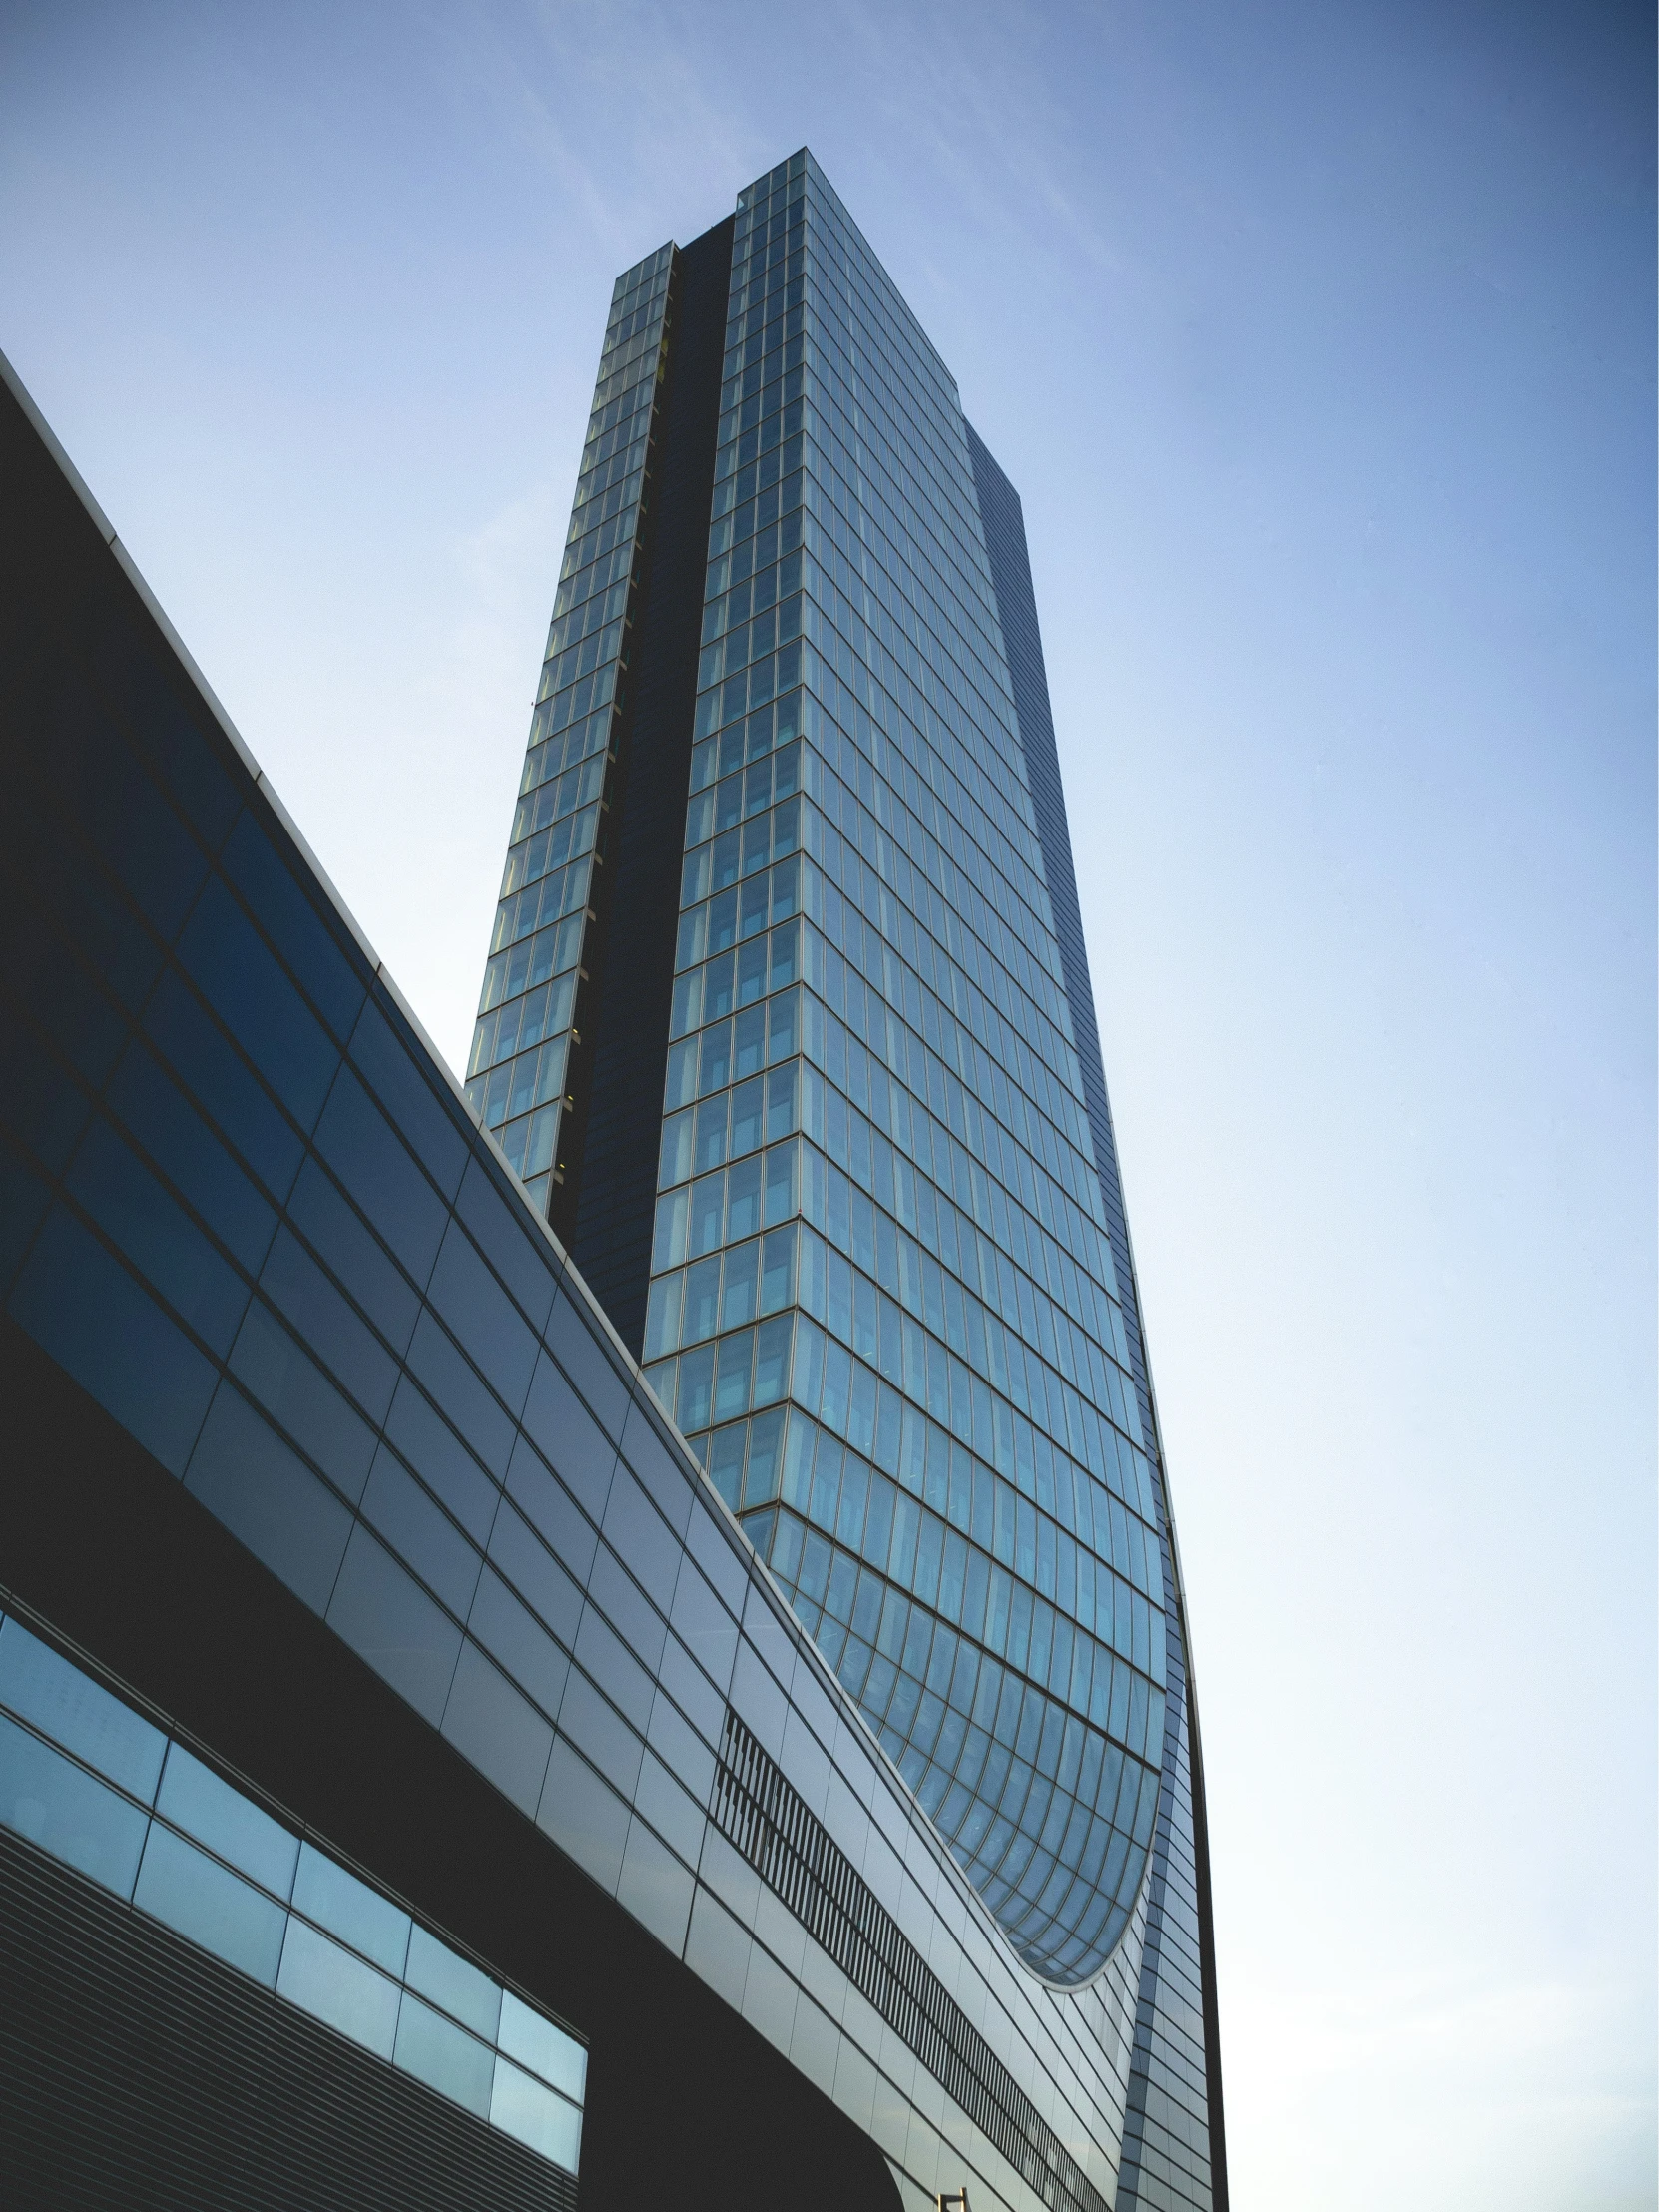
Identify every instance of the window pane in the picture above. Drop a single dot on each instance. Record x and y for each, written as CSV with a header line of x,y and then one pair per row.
x,y
521,2106
444,2057
547,2050
436,1972
337,1900
59,1805
193,1893
69,1706
195,1799
329,1982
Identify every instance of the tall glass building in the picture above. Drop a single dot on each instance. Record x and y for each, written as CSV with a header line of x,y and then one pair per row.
x,y
708,1453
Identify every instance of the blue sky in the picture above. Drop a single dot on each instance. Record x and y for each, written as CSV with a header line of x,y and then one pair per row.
x,y
1319,342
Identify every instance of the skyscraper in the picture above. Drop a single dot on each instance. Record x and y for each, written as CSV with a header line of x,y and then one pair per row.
x,y
891,1296
786,1036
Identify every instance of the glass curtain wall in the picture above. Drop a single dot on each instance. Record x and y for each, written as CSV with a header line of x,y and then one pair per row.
x,y
520,1060
883,1306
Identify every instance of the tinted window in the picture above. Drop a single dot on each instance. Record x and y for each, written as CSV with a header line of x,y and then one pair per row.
x,y
222,1083
246,1475
294,924
352,1252
256,999
133,1209
82,1305
520,1256
481,1315
396,1627
181,1142
293,1389
362,1147
441,1461
409,1098
295,1282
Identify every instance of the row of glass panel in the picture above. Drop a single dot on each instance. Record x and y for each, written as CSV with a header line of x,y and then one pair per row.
x,y
885,1419
737,853
552,756
982,1373
550,803
900,1010
859,800
896,1066
964,726
933,1670
916,1242
914,604
549,850
585,585
854,595
993,1599
1052,1849
988,773
750,409
536,907
928,514
1001,878
741,798
898,855
540,922
579,700
88,1779
901,395
1059,1280
723,1208
715,1210
851,552
743,554
832,1484
523,1022
757,272
1042,1107
952,887
518,1086
919,1358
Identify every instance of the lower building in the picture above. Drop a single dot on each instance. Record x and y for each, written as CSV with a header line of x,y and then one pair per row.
x,y
414,1789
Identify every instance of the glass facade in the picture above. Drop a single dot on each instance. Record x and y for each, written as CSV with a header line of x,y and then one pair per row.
x,y
884,1304
102,1788
933,1825
522,1048
891,1300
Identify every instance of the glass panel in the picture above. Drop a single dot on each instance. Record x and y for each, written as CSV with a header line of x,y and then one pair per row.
x,y
435,1970
57,1804
197,1898
67,1705
547,2050
337,1900
521,2106
444,2057
195,1799
329,1982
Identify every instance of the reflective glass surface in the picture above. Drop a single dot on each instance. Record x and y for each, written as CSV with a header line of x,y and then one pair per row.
x,y
884,1304
517,1069
200,1856
241,1206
